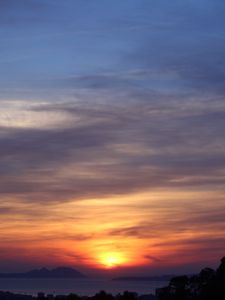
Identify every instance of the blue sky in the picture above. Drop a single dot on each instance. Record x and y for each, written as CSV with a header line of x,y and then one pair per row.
x,y
46,44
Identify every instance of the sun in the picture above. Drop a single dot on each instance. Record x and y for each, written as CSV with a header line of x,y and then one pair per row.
x,y
111,260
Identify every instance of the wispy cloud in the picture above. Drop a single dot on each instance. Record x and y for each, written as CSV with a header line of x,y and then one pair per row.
x,y
111,130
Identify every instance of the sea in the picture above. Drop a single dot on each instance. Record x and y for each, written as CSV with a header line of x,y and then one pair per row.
x,y
81,287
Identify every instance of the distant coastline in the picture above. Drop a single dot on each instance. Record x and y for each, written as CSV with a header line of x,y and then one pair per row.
x,y
60,273
144,278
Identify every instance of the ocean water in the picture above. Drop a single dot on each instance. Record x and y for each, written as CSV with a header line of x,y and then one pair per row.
x,y
87,287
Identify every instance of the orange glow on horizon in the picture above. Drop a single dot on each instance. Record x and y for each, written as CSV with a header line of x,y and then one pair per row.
x,y
109,233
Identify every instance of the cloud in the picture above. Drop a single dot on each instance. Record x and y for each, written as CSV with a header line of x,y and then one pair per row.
x,y
138,111
153,258
111,149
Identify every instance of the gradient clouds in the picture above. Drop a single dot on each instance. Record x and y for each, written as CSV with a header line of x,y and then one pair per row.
x,y
112,135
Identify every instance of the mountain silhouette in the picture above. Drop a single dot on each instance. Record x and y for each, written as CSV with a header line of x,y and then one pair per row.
x,y
60,272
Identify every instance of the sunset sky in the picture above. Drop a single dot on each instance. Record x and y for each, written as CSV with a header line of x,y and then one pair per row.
x,y
112,134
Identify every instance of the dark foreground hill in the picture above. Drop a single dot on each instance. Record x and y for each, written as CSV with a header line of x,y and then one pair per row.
x,y
102,295
61,272
207,285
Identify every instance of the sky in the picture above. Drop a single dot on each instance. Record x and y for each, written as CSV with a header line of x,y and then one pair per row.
x,y
112,143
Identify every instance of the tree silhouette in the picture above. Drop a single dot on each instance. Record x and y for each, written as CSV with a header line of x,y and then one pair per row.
x,y
207,285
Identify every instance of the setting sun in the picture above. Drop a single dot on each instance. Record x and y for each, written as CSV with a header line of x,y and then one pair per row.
x,y
112,260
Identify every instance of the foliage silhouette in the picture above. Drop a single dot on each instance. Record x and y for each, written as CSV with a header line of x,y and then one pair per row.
x,y
208,285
